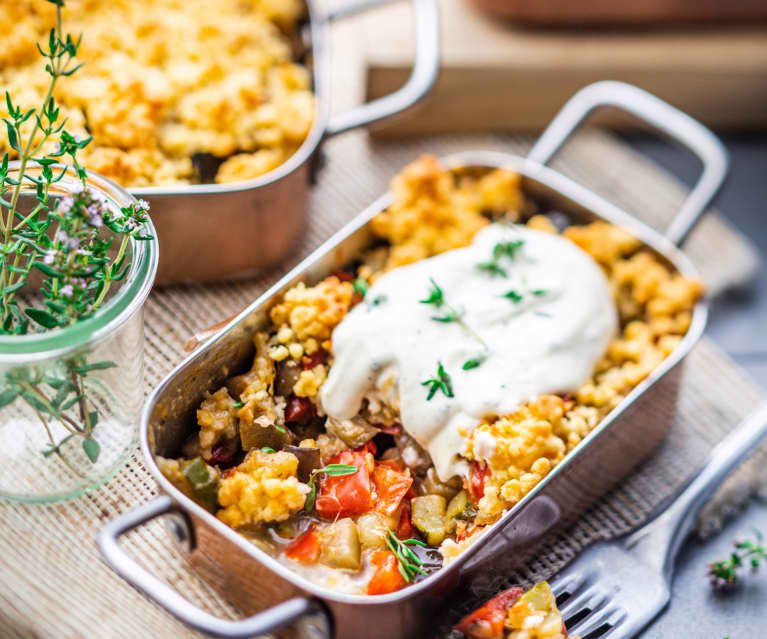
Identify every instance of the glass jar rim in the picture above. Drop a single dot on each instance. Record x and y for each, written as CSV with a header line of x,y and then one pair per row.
x,y
118,309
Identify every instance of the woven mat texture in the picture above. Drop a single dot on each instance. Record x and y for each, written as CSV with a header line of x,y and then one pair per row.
x,y
52,581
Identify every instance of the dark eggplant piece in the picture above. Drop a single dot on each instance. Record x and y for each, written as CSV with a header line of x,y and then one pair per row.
x,y
308,460
300,410
256,435
287,375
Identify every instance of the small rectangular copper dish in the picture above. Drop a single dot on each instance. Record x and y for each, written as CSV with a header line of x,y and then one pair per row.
x,y
276,596
215,232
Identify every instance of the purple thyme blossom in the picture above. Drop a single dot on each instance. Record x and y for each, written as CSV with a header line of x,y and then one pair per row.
x,y
50,256
71,243
65,205
95,214
66,290
142,205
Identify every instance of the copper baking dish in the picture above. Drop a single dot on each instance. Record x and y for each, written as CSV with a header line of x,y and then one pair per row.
x,y
224,231
254,581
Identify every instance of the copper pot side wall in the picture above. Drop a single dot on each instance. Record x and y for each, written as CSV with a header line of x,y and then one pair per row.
x,y
209,237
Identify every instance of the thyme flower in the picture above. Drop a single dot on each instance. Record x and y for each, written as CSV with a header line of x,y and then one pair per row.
x,y
723,574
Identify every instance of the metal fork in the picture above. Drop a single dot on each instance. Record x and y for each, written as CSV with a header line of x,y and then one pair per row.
x,y
614,588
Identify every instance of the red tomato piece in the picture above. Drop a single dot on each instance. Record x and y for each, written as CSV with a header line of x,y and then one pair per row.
x,y
387,577
299,410
405,529
479,474
306,548
487,622
391,486
347,495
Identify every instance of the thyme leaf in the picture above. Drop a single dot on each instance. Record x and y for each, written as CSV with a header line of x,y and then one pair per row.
x,y
361,286
493,268
331,470
439,383
409,563
723,574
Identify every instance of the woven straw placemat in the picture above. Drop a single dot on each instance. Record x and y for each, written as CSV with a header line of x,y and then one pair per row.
x,y
52,581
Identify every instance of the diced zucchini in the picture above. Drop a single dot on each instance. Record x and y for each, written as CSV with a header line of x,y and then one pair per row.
x,y
428,515
431,485
373,528
340,545
354,432
458,508
203,483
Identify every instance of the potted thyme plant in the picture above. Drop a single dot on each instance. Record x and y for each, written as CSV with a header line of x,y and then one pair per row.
x,y
77,260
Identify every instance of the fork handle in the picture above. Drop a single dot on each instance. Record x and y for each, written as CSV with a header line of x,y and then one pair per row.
x,y
660,539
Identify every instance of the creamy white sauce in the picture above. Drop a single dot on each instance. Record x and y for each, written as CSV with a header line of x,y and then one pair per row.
x,y
547,341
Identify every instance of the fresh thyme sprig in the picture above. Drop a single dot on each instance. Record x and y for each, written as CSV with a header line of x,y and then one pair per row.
x,y
507,249
441,382
437,299
723,574
516,297
331,470
65,243
409,563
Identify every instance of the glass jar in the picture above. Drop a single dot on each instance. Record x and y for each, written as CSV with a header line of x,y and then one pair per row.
x,y
95,365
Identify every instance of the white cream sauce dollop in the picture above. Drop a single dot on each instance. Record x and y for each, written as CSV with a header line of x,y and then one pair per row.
x,y
544,337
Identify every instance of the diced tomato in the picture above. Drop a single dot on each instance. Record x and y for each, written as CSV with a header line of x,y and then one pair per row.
x,y
564,631
405,529
306,548
299,410
487,622
320,356
344,276
347,495
387,577
391,486
479,474
394,464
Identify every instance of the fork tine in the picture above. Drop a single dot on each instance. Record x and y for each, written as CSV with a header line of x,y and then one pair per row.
x,y
567,583
591,598
611,616
614,621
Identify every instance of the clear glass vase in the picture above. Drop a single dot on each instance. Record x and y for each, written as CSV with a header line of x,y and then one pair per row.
x,y
96,366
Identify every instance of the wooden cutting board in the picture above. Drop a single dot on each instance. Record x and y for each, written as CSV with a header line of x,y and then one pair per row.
x,y
498,76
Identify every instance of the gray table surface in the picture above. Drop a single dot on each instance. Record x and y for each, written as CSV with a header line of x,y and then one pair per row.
x,y
738,323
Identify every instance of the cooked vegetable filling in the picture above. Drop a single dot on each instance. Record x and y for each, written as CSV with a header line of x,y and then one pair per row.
x,y
398,407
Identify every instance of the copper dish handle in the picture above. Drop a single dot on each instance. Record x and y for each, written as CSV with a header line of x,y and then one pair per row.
x,y
681,127
425,67
121,562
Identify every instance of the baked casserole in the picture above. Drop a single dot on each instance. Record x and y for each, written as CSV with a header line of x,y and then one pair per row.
x,y
172,92
397,408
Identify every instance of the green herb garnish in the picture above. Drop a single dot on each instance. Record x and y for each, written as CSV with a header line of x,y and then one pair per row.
x,y
437,299
237,404
507,249
493,268
440,382
361,286
501,250
723,574
409,563
538,292
267,449
331,470
513,296
472,363
280,429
